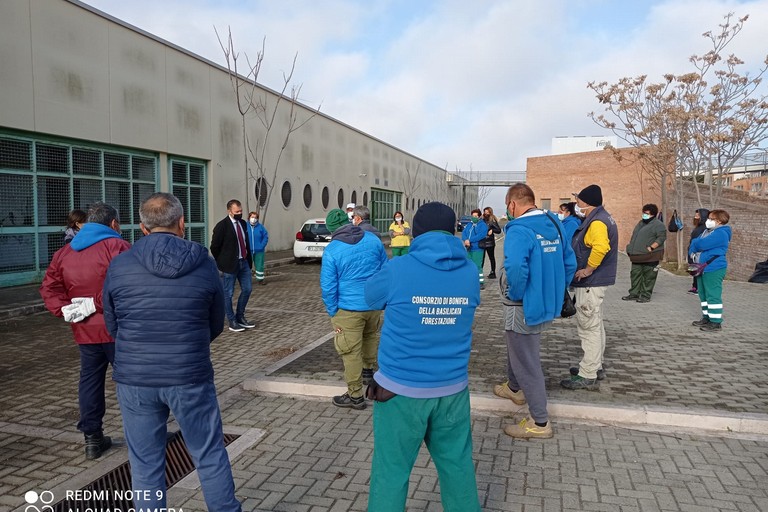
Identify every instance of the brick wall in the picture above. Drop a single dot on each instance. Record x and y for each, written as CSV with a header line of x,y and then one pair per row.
x,y
626,190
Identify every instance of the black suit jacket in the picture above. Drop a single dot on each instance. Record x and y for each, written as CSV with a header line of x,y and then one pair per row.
x,y
224,245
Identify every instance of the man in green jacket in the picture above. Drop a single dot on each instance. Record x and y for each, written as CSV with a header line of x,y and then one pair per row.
x,y
645,249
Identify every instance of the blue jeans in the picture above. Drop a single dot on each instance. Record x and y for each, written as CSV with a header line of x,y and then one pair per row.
x,y
243,276
145,413
94,359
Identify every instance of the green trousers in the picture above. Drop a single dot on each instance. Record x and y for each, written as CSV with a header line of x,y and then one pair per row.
x,y
400,251
357,342
400,425
710,288
258,265
643,278
477,258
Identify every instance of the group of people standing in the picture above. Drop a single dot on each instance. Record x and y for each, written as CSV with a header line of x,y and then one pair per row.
x,y
414,356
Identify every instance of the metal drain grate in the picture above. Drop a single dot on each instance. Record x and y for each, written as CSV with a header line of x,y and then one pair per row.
x,y
113,490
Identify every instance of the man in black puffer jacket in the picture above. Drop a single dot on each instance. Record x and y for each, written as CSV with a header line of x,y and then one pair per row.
x,y
164,305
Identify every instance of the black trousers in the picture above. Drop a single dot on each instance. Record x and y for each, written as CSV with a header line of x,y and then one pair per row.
x,y
490,251
94,359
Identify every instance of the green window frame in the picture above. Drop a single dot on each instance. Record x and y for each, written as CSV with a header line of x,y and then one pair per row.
x,y
384,204
43,178
189,182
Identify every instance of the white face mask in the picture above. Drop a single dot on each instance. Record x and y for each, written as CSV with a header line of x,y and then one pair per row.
x,y
398,219
579,211
710,224
350,215
561,216
253,221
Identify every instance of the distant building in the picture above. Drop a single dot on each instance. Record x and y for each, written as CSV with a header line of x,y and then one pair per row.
x,y
581,144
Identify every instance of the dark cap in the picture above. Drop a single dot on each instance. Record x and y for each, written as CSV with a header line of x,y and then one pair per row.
x,y
433,217
592,195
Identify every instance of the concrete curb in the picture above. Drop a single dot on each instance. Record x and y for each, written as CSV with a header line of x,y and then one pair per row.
x,y
651,417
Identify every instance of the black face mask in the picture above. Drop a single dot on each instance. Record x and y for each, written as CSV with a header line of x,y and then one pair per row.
x,y
239,216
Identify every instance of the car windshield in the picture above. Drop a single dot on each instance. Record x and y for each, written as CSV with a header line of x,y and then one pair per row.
x,y
315,229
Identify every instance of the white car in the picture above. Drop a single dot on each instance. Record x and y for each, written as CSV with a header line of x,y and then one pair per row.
x,y
311,240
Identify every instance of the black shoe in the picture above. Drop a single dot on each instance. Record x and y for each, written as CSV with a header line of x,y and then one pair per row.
x,y
701,323
578,382
643,300
245,323
711,326
492,275
575,371
482,286
96,445
630,297
236,327
262,282
347,401
367,376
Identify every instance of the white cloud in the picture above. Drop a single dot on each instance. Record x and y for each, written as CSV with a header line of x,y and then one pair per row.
x,y
486,84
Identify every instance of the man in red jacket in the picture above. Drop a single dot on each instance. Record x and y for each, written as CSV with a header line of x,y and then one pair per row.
x,y
72,289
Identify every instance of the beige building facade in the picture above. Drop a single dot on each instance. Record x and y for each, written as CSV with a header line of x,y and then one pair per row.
x,y
95,109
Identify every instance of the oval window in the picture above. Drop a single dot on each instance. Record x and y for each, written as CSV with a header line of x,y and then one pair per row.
x,y
260,190
325,196
307,196
341,198
285,194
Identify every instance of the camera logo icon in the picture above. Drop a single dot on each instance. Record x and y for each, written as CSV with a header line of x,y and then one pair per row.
x,y
38,502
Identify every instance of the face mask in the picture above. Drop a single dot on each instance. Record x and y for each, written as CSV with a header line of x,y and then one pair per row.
x,y
398,219
710,224
509,215
239,216
475,220
253,221
350,215
646,216
579,211
561,216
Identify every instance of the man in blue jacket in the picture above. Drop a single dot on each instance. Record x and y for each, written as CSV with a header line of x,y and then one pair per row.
x,y
430,296
539,264
164,282
472,235
349,260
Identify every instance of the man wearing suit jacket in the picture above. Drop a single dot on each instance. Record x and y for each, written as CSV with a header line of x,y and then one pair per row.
x,y
229,246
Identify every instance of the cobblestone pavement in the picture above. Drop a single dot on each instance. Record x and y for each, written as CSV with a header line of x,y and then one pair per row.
x,y
315,457
653,355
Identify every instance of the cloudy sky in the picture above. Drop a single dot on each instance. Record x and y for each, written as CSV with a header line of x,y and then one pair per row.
x,y
485,84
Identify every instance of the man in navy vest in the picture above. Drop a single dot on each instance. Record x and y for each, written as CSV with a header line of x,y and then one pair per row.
x,y
596,244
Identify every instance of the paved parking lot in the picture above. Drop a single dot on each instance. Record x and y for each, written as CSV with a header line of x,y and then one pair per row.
x,y
315,457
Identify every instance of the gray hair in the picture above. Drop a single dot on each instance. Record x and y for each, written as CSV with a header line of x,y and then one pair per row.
x,y
161,210
362,211
102,213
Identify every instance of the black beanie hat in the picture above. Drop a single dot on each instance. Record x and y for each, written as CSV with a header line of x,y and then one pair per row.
x,y
433,217
592,195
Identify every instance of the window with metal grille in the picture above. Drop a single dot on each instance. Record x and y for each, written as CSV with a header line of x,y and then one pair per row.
x,y
42,180
384,204
189,184
285,193
261,190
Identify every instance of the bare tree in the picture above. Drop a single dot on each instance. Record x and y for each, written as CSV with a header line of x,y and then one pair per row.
x,y
409,182
685,132
263,105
